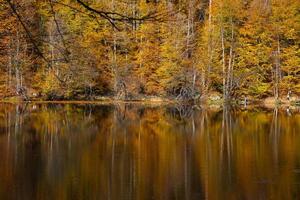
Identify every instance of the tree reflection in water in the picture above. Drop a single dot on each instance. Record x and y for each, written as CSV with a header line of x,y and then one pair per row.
x,y
133,151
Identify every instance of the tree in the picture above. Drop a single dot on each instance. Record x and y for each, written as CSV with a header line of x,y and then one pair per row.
x,y
82,49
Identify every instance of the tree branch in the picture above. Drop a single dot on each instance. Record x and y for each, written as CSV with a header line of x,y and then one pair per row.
x,y
114,16
28,33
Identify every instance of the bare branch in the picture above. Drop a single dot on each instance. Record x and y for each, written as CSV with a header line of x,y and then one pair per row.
x,y
114,16
14,10
67,52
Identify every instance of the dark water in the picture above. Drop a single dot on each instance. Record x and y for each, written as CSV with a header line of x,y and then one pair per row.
x,y
115,152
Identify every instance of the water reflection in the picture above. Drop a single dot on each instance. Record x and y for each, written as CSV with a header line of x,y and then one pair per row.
x,y
131,151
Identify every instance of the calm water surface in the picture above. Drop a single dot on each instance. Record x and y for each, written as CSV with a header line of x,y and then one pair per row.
x,y
115,152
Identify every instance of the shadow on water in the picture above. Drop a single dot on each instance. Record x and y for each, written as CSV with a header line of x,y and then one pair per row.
x,y
131,151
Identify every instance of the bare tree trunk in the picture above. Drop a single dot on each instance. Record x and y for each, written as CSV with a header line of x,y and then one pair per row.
x,y
17,64
230,64
194,79
114,60
209,48
133,13
51,40
52,43
188,27
114,56
9,66
277,70
224,65
190,37
210,13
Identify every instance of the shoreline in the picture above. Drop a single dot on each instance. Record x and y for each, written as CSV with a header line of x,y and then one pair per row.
x,y
163,101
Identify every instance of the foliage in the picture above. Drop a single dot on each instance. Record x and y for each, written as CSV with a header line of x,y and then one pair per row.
x,y
235,47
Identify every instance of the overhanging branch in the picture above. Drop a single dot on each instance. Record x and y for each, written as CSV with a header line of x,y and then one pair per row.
x,y
27,31
113,17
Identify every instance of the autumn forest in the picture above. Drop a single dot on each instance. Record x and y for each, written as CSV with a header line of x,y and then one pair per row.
x,y
134,49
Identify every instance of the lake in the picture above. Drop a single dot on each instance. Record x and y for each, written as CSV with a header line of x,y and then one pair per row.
x,y
136,151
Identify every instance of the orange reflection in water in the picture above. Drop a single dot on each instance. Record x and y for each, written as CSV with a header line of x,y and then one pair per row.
x,y
126,151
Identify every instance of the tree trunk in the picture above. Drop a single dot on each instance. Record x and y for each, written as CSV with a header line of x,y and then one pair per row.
x,y
209,48
9,66
224,65
230,64
190,37
17,64
114,56
277,70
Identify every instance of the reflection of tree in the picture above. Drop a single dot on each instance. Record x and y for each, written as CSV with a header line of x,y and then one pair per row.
x,y
12,117
226,137
275,133
143,152
182,111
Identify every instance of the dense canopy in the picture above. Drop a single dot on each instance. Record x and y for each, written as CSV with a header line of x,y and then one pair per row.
x,y
83,49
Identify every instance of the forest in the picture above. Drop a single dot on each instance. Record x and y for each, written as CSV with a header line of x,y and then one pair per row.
x,y
137,49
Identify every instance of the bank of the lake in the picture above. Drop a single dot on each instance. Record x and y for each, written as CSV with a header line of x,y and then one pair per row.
x,y
212,100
